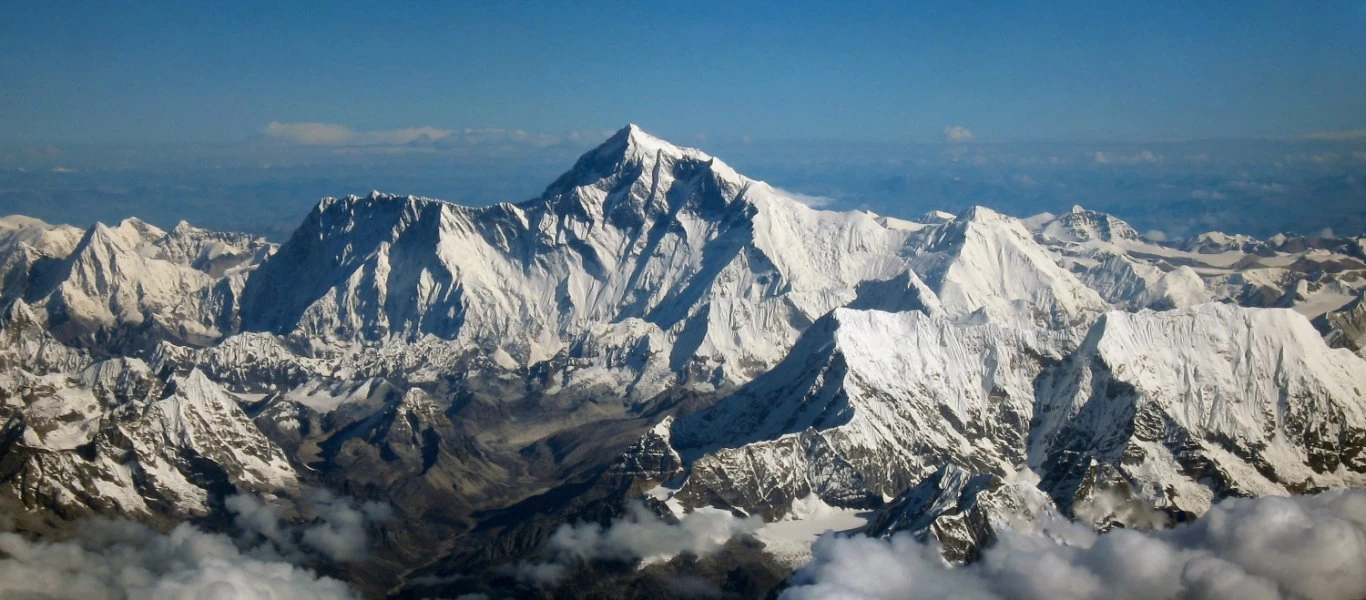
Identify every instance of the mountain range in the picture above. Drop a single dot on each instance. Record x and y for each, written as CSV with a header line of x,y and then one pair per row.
x,y
657,332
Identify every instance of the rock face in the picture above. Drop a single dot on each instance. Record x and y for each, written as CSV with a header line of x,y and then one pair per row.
x,y
867,404
1346,327
114,439
1192,405
961,511
656,323
1176,409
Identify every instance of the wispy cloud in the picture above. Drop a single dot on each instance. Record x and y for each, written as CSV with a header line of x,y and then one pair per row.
x,y
1143,157
807,199
958,133
1337,136
332,134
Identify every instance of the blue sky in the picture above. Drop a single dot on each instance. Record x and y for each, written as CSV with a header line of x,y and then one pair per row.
x,y
130,72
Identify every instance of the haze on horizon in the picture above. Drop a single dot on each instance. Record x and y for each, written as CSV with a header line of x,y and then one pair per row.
x,y
1179,117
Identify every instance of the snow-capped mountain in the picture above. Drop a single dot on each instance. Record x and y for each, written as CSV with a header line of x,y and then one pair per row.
x,y
1311,275
113,437
658,327
129,286
641,239
1346,327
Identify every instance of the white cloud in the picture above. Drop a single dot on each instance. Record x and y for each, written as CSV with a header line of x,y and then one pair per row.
x,y
807,199
638,536
336,527
958,133
332,134
1142,157
1156,235
1273,547
1256,187
339,530
1338,136
122,559
644,536
312,134
1327,232
1207,195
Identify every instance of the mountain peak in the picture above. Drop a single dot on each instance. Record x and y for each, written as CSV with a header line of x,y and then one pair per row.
x,y
633,154
981,214
633,143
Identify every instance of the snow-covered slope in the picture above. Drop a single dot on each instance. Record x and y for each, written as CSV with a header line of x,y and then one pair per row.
x,y
867,404
1311,275
1178,408
52,240
1346,327
114,439
1191,405
128,286
728,270
985,261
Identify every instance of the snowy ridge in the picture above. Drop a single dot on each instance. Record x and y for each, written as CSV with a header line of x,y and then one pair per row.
x,y
723,266
1312,275
867,404
1177,408
1194,404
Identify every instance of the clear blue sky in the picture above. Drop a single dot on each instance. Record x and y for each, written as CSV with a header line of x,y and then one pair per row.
x,y
1020,71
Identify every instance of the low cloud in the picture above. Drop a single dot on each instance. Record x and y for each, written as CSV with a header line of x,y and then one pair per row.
x,y
336,527
644,536
1142,157
1265,548
958,133
1337,136
638,536
122,559
1156,235
1256,187
109,558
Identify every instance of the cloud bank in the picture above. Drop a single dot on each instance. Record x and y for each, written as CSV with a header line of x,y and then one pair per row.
x,y
338,529
1337,136
1252,549
958,133
1142,157
123,559
638,536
